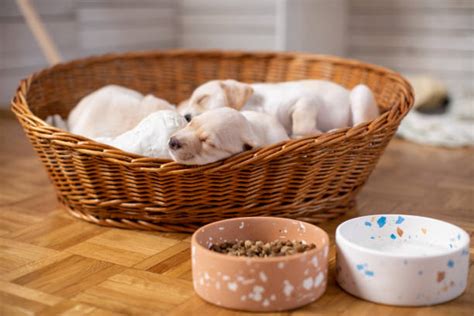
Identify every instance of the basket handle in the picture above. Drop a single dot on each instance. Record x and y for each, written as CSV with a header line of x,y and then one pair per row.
x,y
39,31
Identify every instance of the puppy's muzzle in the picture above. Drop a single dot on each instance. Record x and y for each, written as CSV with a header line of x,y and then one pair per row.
x,y
174,143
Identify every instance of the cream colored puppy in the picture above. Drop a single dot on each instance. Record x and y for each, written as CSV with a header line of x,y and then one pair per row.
x,y
306,107
111,111
221,133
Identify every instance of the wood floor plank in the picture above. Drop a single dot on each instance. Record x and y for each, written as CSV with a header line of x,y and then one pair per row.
x,y
135,241
172,263
57,232
164,255
106,253
72,308
20,300
29,293
14,305
14,254
33,266
122,247
138,292
12,219
69,276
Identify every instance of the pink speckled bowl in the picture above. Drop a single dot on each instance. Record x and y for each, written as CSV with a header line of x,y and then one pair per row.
x,y
259,284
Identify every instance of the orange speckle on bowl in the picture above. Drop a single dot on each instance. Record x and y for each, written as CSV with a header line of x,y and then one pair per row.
x,y
440,276
423,230
399,231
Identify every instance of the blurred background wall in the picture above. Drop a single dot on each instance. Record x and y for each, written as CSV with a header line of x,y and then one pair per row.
x,y
433,37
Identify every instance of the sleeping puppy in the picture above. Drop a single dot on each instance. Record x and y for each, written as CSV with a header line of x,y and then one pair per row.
x,y
221,133
306,107
111,111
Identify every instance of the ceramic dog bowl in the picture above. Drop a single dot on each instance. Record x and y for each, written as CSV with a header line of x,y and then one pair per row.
x,y
259,284
402,259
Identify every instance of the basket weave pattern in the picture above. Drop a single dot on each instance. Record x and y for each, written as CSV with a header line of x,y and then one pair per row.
x,y
314,179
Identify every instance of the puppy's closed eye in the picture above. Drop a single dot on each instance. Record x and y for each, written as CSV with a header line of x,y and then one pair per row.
x,y
202,100
206,141
247,147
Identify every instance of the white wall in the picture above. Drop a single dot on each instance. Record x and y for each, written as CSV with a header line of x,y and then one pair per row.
x,y
264,24
111,25
304,26
231,24
417,36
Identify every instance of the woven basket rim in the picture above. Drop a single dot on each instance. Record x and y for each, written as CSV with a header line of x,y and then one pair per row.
x,y
20,106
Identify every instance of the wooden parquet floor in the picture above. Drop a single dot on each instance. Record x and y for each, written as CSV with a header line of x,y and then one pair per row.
x,y
53,264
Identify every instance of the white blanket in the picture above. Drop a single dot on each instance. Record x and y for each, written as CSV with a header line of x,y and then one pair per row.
x,y
150,137
452,129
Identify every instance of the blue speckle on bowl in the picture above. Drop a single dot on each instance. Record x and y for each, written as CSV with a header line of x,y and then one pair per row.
x,y
368,224
393,236
450,263
400,220
382,221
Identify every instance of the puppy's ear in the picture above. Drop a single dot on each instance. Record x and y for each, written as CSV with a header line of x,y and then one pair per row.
x,y
237,93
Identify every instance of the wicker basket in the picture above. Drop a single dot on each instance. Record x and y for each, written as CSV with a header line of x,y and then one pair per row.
x,y
313,179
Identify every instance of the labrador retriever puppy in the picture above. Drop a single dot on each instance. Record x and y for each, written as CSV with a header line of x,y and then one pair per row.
x,y
112,110
305,107
221,133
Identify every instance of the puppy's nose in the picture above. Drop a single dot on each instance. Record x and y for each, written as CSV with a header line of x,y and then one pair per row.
x,y
188,117
174,143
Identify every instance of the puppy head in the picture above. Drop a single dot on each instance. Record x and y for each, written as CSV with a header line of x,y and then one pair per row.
x,y
217,94
212,136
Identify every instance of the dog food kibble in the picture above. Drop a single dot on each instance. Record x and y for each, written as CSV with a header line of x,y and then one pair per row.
x,y
249,248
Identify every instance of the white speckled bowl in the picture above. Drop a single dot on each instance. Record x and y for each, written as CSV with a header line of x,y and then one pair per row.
x,y
259,284
402,259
